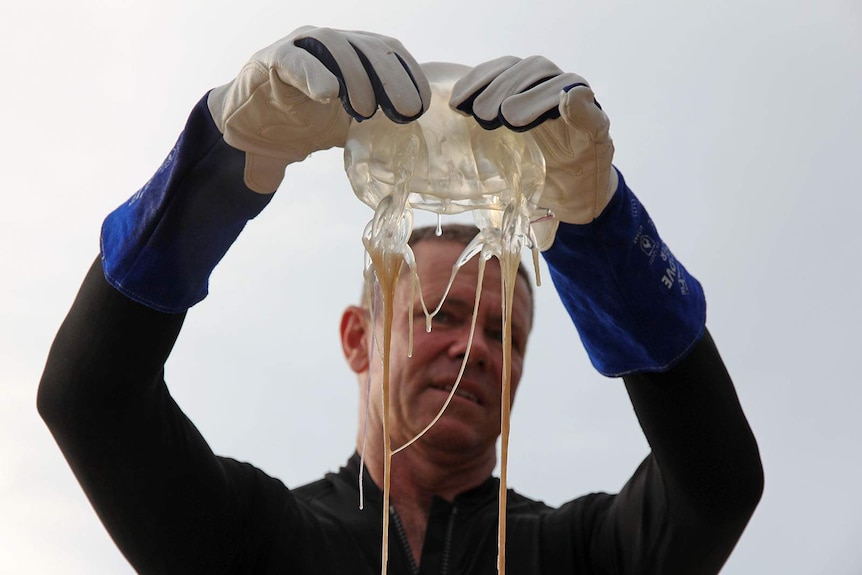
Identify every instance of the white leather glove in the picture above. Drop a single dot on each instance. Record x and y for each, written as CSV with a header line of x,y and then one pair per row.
x,y
568,124
284,104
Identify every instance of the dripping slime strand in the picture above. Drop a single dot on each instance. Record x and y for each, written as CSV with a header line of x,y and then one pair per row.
x,y
463,362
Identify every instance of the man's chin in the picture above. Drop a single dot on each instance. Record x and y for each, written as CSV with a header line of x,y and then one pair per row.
x,y
450,434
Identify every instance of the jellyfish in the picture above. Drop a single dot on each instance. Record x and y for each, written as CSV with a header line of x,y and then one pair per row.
x,y
444,163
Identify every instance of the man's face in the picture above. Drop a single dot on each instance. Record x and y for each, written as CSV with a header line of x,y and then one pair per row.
x,y
420,384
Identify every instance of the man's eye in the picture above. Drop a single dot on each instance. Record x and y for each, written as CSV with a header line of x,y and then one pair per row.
x,y
444,317
495,334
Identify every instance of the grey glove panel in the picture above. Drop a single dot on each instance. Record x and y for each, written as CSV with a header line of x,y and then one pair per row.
x,y
361,62
519,94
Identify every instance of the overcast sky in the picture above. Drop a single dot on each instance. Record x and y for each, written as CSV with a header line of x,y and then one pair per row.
x,y
737,124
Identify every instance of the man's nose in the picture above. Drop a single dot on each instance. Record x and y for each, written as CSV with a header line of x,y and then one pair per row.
x,y
477,350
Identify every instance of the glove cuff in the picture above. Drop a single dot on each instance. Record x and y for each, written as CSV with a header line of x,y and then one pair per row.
x,y
160,247
636,308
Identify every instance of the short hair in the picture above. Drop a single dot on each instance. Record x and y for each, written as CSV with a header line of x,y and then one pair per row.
x,y
457,232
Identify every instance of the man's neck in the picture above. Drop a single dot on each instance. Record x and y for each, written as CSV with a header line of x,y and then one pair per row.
x,y
418,474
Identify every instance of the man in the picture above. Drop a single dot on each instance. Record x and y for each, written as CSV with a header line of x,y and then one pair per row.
x,y
172,506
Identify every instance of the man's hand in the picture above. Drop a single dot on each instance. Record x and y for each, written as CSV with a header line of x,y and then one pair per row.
x,y
569,126
297,96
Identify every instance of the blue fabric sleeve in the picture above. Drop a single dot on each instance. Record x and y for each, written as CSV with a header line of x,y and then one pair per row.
x,y
636,308
160,247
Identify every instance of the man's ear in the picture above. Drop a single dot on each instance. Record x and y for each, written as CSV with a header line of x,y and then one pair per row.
x,y
355,337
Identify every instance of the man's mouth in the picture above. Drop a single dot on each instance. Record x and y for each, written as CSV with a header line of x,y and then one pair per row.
x,y
460,393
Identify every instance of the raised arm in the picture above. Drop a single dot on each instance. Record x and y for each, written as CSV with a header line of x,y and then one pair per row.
x,y
641,315
688,503
170,504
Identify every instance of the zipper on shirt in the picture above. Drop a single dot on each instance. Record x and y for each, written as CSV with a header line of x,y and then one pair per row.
x,y
447,545
402,536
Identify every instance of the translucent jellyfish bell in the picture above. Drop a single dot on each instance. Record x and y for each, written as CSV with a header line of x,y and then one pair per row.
x,y
456,164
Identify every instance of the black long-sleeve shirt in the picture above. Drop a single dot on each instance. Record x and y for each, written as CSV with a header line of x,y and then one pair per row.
x,y
172,506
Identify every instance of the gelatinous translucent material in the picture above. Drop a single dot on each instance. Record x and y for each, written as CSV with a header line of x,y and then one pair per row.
x,y
458,165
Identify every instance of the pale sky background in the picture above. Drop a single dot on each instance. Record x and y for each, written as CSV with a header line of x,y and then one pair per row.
x,y
737,124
